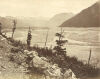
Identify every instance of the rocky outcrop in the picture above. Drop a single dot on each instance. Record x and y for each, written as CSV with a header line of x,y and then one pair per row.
x,y
49,69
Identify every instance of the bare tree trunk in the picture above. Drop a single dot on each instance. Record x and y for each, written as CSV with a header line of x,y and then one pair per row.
x,y
89,57
13,29
12,34
46,38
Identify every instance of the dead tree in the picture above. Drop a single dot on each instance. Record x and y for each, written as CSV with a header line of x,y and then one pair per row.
x,y
14,28
46,38
89,57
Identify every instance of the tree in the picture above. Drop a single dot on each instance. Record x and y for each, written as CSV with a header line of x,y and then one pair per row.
x,y
29,37
60,50
14,27
46,38
0,27
89,57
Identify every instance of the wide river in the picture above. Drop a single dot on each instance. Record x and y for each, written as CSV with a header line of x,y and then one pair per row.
x,y
80,40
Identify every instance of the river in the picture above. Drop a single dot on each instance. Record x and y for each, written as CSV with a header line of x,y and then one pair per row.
x,y
80,40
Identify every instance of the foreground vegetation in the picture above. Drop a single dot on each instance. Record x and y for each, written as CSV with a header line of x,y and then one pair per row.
x,y
80,69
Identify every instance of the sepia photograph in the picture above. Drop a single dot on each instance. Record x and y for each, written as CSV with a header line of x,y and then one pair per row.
x,y
49,39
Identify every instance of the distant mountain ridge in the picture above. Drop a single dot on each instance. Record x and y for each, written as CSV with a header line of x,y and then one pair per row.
x,y
58,19
35,22
89,17
6,22
23,22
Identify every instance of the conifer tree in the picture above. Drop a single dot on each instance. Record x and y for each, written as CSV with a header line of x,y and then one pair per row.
x,y
29,37
59,49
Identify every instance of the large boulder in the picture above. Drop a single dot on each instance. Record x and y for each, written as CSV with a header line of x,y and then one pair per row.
x,y
53,71
49,69
40,63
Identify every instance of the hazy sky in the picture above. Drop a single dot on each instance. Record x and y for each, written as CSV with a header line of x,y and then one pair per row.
x,y
47,8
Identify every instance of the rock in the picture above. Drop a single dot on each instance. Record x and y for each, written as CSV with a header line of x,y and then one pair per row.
x,y
3,39
69,74
33,53
26,51
53,70
49,69
43,63
43,58
40,63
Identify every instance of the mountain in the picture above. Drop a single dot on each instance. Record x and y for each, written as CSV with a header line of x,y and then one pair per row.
x,y
31,21
89,17
59,19
6,22
23,22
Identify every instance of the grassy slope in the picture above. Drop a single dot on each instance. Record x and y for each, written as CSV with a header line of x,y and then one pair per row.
x,y
5,64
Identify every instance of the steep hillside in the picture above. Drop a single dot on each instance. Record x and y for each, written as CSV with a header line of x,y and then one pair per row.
x,y
6,66
89,17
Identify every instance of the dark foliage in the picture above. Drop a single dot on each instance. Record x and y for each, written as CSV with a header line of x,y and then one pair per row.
x,y
29,37
59,49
